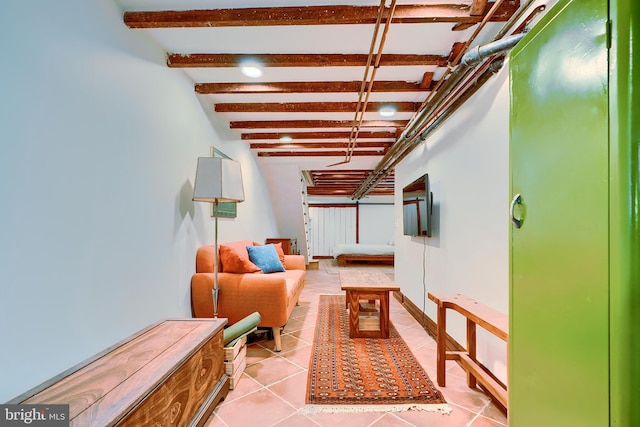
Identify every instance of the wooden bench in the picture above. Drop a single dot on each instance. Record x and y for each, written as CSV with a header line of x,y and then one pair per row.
x,y
476,314
171,373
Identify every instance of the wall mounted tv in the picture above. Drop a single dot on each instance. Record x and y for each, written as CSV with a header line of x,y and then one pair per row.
x,y
417,202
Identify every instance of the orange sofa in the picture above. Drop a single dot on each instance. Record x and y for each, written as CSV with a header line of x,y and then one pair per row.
x,y
273,295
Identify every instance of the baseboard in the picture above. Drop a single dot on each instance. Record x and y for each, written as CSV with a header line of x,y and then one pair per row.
x,y
425,321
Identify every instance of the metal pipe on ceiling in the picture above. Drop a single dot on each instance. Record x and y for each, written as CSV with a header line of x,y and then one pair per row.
x,y
367,80
479,53
387,165
354,131
490,68
418,127
466,64
407,140
453,64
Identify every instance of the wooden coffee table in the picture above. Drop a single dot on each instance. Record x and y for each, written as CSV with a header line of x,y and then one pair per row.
x,y
368,302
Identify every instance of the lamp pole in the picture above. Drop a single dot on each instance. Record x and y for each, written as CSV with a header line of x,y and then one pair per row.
x,y
214,291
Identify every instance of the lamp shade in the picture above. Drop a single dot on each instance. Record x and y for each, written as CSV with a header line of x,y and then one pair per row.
x,y
218,179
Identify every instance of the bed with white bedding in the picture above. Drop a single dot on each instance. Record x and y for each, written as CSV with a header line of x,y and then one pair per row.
x,y
376,253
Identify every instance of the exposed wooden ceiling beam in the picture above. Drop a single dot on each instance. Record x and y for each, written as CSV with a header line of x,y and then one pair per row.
x,y
225,60
342,190
309,87
478,7
312,191
462,26
339,153
345,174
306,145
344,182
351,185
312,15
342,173
427,81
308,124
456,49
327,184
316,135
347,182
309,107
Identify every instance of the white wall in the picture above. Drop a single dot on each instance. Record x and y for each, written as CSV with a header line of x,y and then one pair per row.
x,y
467,163
376,223
97,158
285,184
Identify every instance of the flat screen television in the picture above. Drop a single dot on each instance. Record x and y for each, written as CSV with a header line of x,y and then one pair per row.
x,y
417,202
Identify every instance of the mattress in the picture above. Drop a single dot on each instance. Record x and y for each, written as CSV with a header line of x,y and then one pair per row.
x,y
363,249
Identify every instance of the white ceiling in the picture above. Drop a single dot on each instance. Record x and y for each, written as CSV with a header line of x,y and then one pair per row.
x,y
410,39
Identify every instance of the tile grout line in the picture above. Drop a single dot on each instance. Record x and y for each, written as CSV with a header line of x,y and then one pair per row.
x,y
479,414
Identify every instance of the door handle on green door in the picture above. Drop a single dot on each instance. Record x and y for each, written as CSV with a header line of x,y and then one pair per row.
x,y
517,200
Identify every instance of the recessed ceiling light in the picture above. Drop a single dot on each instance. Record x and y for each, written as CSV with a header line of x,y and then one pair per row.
x,y
387,111
252,71
286,139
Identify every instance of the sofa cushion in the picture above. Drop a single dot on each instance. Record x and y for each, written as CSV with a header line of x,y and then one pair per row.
x,y
278,249
205,259
280,252
233,260
266,258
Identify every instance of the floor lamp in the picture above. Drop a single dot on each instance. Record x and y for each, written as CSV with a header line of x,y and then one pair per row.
x,y
217,180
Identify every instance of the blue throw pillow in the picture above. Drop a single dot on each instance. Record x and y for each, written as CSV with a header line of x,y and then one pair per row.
x,y
266,258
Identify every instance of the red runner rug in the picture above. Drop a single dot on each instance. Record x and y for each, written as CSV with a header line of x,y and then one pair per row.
x,y
364,374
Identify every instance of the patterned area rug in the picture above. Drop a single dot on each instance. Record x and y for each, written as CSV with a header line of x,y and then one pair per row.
x,y
364,374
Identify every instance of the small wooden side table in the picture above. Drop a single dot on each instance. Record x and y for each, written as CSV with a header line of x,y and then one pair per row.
x,y
289,245
368,302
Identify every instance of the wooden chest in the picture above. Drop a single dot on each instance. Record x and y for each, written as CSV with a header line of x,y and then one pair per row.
x,y
169,374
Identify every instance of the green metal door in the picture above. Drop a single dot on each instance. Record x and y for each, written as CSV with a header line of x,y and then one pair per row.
x,y
559,316
624,213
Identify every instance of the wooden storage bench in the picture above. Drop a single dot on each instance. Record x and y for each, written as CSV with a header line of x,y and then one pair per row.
x,y
171,373
477,314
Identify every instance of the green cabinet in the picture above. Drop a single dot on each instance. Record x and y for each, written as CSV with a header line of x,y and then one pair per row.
x,y
565,341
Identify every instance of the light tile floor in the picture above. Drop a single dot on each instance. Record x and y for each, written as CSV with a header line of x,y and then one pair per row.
x,y
273,385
